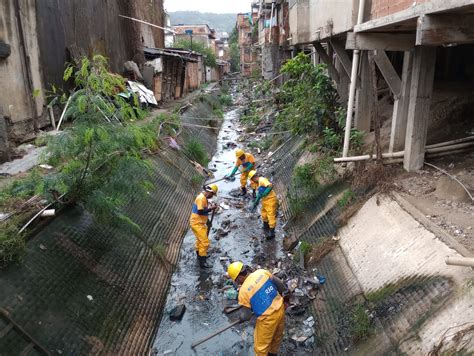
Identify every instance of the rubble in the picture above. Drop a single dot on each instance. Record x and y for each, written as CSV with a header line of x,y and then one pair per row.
x,y
177,312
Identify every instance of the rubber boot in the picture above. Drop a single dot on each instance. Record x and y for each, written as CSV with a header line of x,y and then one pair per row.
x,y
266,229
243,191
203,262
271,234
271,354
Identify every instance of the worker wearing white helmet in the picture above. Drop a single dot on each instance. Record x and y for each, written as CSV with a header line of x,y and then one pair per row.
x,y
200,223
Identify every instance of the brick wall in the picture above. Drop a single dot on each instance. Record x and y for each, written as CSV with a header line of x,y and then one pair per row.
x,y
382,8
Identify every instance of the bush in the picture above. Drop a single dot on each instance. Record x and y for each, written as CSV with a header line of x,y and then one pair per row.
x,y
12,244
310,101
195,150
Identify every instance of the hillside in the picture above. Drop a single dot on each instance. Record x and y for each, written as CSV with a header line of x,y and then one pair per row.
x,y
220,22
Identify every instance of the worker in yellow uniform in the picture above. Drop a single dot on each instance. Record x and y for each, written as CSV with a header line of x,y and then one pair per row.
x,y
266,194
200,224
261,294
247,162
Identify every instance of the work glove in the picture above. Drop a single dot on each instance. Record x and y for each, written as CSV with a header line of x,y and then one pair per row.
x,y
245,314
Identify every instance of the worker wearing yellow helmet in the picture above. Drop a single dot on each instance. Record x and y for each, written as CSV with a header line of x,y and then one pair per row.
x,y
266,194
247,162
261,294
200,224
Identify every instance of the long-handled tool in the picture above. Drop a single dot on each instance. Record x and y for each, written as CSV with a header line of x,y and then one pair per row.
x,y
231,308
221,179
220,331
210,223
227,177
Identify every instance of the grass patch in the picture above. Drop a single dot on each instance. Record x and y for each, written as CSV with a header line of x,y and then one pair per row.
x,y
218,113
382,293
195,150
263,144
347,198
12,244
361,324
225,100
196,180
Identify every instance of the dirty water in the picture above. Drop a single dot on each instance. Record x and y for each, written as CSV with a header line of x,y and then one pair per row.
x,y
240,238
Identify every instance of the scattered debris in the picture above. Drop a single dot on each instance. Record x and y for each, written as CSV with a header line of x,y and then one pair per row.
x,y
145,95
177,312
42,247
89,297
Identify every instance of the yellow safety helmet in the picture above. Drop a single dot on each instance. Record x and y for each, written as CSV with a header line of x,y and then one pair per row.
x,y
212,188
239,153
252,173
234,269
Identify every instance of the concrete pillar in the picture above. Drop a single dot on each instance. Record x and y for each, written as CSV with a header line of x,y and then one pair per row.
x,y
421,90
364,96
400,107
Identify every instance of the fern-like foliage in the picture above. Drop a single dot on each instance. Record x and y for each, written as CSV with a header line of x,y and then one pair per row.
x,y
99,158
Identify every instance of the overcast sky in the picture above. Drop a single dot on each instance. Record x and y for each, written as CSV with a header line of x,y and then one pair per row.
x,y
217,6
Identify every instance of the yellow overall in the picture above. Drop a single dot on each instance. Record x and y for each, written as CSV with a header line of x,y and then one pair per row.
x,y
198,224
249,159
259,293
269,203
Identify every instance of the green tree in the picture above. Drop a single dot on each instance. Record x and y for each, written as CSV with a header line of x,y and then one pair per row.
x,y
99,159
234,50
210,57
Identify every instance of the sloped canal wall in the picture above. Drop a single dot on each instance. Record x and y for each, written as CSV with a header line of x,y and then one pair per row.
x,y
388,289
87,288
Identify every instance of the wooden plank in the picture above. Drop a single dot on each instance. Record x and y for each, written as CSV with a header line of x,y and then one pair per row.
x,y
326,60
400,107
389,73
421,90
381,41
438,30
342,56
429,7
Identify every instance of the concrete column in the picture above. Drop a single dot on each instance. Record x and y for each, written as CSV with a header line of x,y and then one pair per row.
x,y
365,96
421,90
400,107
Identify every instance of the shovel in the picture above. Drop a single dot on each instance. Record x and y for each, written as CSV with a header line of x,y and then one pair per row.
x,y
220,331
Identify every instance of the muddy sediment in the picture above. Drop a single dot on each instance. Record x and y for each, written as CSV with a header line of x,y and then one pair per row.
x,y
236,235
